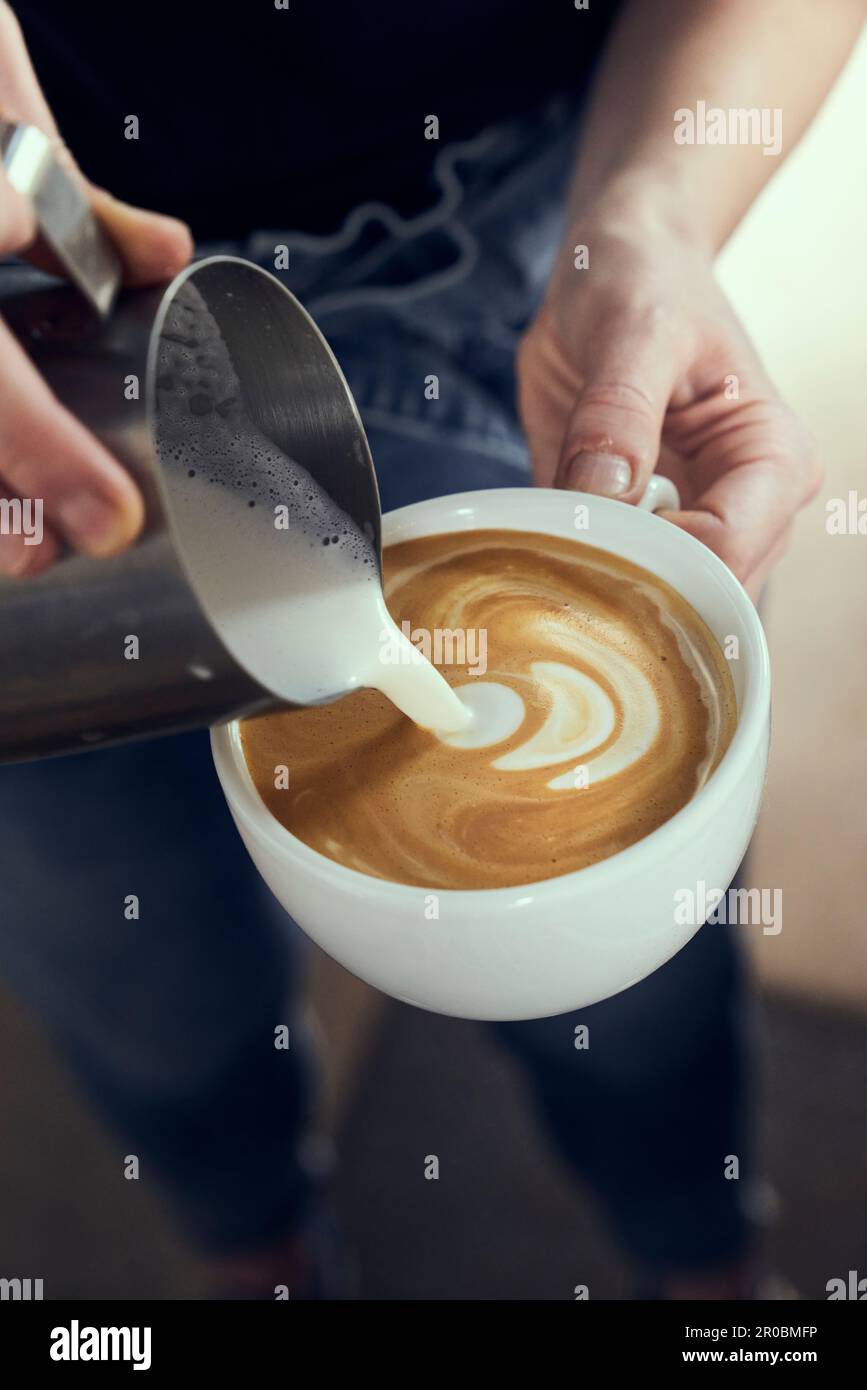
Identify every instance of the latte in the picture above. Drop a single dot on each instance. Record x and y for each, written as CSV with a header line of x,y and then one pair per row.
x,y
604,704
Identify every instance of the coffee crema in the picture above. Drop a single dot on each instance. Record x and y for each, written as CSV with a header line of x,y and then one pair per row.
x,y
612,696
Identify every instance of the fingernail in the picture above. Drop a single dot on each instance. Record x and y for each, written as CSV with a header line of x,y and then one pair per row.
x,y
90,524
605,474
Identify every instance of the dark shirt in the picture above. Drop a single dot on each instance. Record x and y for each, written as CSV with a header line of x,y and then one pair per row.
x,y
253,116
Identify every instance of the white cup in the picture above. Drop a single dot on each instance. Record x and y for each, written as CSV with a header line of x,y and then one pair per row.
x,y
558,945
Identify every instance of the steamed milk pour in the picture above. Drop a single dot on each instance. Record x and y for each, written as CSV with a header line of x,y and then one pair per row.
x,y
255,582
310,619
256,578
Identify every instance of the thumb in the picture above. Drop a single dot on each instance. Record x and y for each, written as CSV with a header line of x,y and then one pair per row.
x,y
153,246
611,443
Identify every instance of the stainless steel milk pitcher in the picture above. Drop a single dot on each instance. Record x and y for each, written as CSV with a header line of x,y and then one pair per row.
x,y
65,682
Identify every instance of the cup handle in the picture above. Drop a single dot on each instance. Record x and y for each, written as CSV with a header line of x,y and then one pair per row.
x,y
660,495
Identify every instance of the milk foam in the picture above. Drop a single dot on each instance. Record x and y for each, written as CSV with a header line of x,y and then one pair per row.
x,y
307,618
605,705
497,712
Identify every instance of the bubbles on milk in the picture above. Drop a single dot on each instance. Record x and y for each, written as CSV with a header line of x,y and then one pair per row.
x,y
289,581
205,434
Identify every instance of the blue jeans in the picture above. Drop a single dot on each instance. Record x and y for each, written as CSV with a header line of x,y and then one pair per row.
x,y
169,1020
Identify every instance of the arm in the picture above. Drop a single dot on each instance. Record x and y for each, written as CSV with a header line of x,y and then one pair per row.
x,y
627,362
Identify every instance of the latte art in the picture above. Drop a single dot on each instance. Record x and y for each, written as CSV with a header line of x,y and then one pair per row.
x,y
605,705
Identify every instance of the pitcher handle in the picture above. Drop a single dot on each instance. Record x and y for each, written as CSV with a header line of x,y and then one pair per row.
x,y
63,213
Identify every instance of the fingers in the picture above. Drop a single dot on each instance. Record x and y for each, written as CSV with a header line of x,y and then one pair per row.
x,y
756,581
611,442
17,218
547,387
153,247
86,500
27,546
89,501
760,468
21,100
22,96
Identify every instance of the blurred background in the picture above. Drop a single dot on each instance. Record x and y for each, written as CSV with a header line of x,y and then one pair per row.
x,y
513,1225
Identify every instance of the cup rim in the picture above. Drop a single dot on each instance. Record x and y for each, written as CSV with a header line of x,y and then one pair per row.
x,y
247,805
